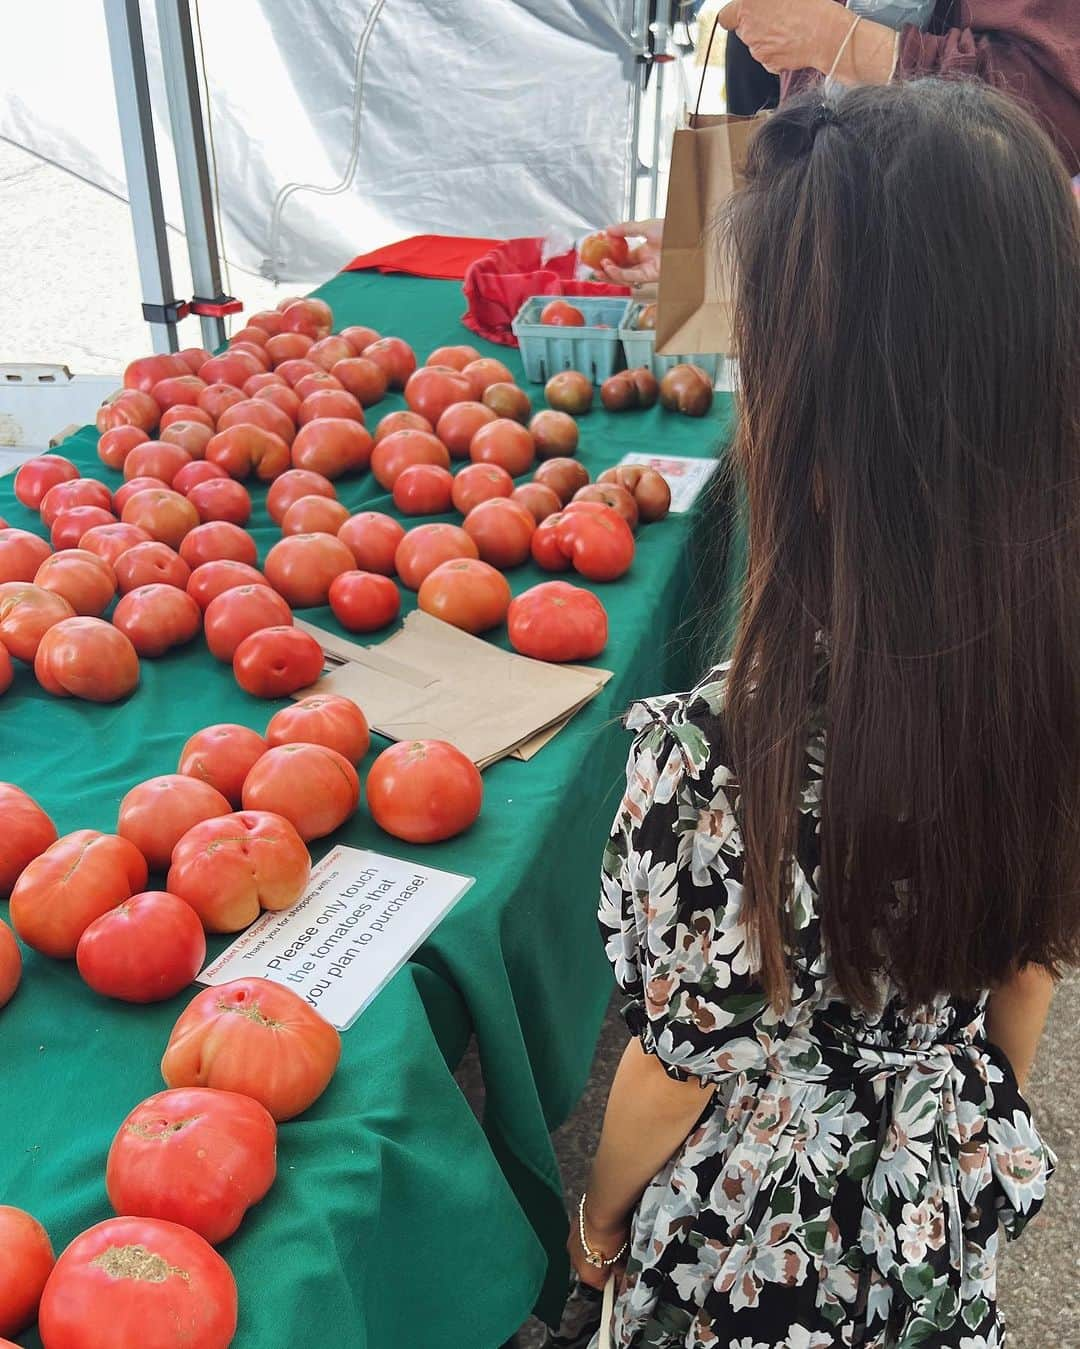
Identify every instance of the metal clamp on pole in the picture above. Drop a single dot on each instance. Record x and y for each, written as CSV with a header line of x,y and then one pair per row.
x,y
171,311
216,308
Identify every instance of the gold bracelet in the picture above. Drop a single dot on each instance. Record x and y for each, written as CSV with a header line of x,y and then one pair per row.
x,y
592,1257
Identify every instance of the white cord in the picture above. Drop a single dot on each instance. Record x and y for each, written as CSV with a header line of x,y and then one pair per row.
x,y
270,267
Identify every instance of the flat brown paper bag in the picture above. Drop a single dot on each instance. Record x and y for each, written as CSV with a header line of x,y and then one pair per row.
x,y
432,681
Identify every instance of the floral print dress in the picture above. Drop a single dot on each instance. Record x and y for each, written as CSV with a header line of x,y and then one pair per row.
x,y
848,1182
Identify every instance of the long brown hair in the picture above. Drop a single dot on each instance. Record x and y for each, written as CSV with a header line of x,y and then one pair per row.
x,y
908,330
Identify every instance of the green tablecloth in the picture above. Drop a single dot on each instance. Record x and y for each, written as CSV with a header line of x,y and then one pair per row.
x,y
397,1221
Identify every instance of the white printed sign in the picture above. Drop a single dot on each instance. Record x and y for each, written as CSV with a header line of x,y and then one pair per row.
x,y
359,920
685,476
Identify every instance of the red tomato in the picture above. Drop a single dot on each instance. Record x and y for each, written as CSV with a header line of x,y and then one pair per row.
x,y
237,613
395,453
313,787
257,1038
538,500
165,515
134,1283
27,612
69,526
322,719
361,377
75,880
149,370
192,437
65,496
556,621
599,543
564,476
401,421
282,397
332,446
480,482
457,358
563,315
459,423
113,448
597,248
27,832
329,403
302,566
184,412
507,400
314,515
222,755
129,408
469,594
155,459
268,321
395,357
86,581
109,543
275,662
252,334
363,601
432,389
86,658
214,578
155,618
156,814
177,391
483,373
327,351
282,347
7,671
194,473
254,350
423,548
230,868
546,551
555,434
423,489
27,1264
619,498
292,372
372,538
358,338
10,975
215,398
233,367
502,530
145,950
21,553
123,494
268,379
259,412
318,381
221,499
291,486
36,476
302,316
424,791
151,564
246,449
196,1157
216,540
506,443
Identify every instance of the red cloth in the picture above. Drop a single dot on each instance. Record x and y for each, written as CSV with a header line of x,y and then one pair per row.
x,y
499,283
441,256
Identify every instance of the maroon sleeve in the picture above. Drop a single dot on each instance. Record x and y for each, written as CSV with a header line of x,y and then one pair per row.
x,y
1030,50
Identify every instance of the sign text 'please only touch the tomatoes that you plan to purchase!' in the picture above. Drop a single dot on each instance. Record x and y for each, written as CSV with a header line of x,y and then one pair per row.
x,y
361,917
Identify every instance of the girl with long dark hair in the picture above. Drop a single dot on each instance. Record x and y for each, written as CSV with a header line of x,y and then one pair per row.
x,y
847,867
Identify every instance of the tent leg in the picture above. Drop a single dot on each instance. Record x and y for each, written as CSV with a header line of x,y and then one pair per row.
x,y
189,144
160,309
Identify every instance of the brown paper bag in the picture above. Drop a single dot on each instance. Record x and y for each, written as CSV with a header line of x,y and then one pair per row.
x,y
708,161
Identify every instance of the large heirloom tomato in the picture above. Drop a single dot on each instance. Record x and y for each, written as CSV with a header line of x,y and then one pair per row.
x,y
401,421
328,403
423,548
394,357
432,389
69,527
215,540
314,515
214,578
322,719
255,1037
365,380
155,618
459,423
166,516
302,566
75,880
246,449
10,974
332,446
315,788
358,337
221,499
469,594
231,867
239,612
502,530
196,472
274,662
27,1263
598,542
147,371
136,1283
65,496
145,950
156,459
192,436
506,443
292,487
231,367
111,542
193,1156
557,621
129,408
327,351
151,563
156,814
372,538
363,601
259,412
480,482
86,658
457,358
423,489
483,373
404,449
36,476
27,832
540,501
132,487
222,756
424,791
27,612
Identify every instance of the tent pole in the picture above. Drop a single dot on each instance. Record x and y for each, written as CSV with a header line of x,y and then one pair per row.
x,y
640,46
160,309
661,56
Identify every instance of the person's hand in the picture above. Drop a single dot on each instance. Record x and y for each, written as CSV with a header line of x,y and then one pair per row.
x,y
604,1241
789,34
644,259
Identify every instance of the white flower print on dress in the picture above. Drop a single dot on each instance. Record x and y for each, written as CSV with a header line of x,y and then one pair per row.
x,y
921,1229
1017,1155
